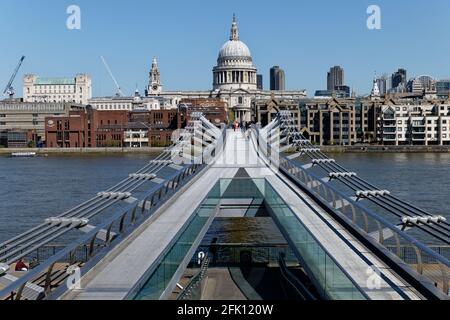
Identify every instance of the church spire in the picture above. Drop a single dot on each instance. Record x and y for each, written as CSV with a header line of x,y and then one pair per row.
x,y
234,29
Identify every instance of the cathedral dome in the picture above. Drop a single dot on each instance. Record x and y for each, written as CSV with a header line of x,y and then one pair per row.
x,y
234,69
234,49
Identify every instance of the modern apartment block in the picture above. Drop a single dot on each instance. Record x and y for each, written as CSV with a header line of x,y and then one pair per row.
x,y
338,121
265,110
75,90
409,123
325,121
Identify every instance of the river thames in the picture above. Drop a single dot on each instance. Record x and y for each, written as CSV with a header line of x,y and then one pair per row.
x,y
32,189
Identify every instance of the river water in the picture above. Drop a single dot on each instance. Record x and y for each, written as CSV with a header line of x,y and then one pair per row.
x,y
32,189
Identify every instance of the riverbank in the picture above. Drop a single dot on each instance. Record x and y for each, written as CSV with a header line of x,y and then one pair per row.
x,y
155,150
385,149
80,151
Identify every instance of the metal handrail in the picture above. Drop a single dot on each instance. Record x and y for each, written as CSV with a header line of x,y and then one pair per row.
x,y
88,237
375,216
162,191
380,220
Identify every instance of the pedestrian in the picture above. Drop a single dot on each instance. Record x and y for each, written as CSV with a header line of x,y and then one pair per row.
x,y
21,266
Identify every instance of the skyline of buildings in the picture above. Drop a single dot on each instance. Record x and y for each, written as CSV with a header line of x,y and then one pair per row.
x,y
80,87
235,82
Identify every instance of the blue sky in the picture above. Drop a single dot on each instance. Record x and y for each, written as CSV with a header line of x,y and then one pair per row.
x,y
303,37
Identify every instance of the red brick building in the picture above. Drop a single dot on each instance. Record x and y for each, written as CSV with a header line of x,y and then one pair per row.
x,y
86,128
90,128
159,125
215,110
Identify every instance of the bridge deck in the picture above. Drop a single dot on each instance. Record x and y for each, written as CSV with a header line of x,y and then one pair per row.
x,y
119,271
114,276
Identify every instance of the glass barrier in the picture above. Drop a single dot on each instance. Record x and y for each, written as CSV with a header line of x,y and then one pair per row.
x,y
159,277
333,282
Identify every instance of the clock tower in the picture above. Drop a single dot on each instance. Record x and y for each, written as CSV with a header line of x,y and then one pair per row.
x,y
154,83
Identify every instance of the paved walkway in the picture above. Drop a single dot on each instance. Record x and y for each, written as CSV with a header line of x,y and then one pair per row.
x,y
220,286
119,271
116,274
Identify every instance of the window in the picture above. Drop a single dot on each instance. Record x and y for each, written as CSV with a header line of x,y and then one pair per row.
x,y
400,122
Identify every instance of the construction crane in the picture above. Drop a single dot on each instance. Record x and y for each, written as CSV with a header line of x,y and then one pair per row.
x,y
9,90
119,92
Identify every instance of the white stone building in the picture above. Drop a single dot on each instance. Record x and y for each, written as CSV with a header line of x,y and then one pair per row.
x,y
415,124
57,90
234,81
125,103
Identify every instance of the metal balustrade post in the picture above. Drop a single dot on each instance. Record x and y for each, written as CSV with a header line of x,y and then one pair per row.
x,y
380,233
122,222
445,278
133,214
72,256
354,216
366,222
108,234
419,260
48,279
152,201
398,245
334,199
91,245
20,291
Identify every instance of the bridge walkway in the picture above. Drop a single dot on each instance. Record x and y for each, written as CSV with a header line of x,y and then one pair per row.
x,y
116,274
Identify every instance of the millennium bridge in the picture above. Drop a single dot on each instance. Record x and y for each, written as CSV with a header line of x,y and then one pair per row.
x,y
145,238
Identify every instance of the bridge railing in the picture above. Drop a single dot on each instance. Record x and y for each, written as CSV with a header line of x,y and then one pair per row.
x,y
124,221
372,227
123,218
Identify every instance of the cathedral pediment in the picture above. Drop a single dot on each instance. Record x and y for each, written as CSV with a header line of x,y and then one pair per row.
x,y
240,91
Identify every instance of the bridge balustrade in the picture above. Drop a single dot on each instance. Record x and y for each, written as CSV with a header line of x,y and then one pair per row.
x,y
432,269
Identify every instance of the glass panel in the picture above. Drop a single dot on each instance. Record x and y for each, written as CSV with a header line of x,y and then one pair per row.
x,y
163,273
332,281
